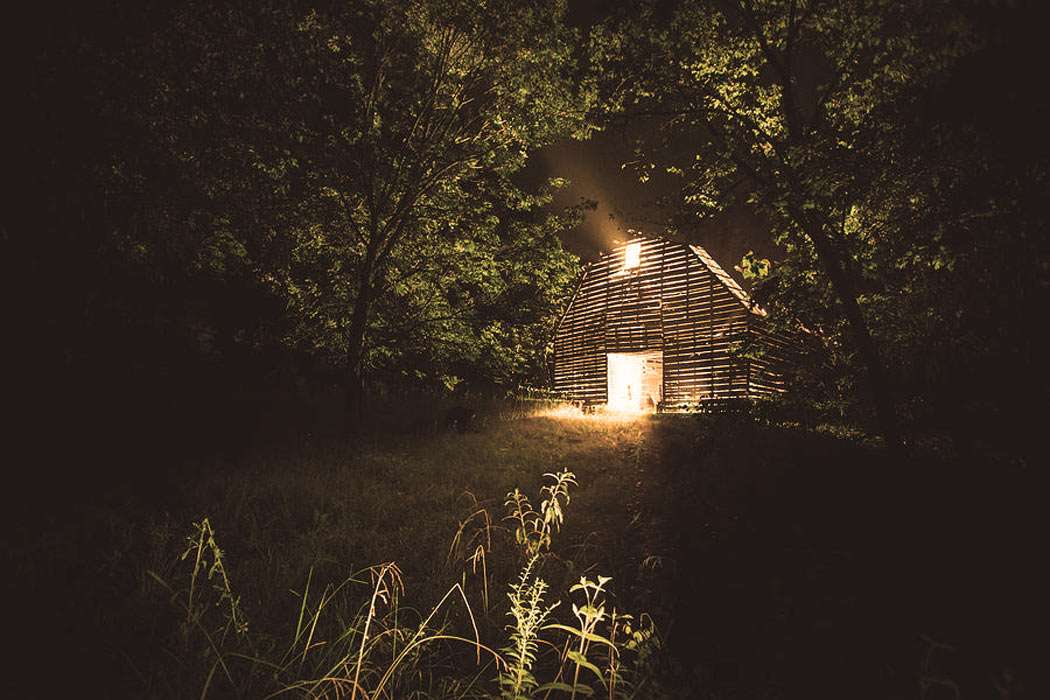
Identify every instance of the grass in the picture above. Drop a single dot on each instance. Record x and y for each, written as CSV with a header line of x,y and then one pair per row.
x,y
771,560
382,647
288,543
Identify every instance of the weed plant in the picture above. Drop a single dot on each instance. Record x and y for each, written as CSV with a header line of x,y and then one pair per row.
x,y
358,638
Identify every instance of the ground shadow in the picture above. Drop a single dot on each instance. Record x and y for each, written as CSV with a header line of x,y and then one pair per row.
x,y
801,565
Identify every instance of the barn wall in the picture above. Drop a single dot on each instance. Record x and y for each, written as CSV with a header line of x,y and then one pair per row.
x,y
702,321
579,355
672,302
774,351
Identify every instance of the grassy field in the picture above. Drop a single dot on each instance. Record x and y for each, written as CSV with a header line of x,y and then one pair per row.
x,y
773,562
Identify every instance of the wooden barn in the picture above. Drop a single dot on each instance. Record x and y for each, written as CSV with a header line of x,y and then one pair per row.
x,y
657,325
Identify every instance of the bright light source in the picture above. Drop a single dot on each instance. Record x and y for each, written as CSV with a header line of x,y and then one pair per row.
x,y
635,381
632,255
625,382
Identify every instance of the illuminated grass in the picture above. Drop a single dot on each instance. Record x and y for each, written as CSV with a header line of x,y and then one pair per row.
x,y
380,649
291,527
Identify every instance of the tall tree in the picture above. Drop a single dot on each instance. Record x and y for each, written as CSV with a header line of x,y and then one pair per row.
x,y
402,124
350,159
792,106
469,303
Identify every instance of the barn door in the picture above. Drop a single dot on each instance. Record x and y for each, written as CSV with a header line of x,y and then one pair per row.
x,y
635,380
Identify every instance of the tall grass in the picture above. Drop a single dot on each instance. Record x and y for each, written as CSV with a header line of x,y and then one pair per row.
x,y
301,529
359,639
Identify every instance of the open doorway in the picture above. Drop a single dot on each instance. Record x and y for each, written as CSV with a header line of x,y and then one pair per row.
x,y
635,380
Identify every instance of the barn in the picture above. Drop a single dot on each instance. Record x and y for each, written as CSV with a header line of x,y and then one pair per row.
x,y
659,325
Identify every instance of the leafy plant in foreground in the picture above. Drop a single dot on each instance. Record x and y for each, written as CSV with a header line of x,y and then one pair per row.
x,y
208,560
201,546
534,528
530,614
343,644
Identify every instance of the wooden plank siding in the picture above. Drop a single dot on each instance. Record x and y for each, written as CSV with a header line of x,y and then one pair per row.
x,y
679,301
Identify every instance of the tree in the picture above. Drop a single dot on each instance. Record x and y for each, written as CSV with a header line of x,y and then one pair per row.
x,y
398,133
469,304
359,162
796,108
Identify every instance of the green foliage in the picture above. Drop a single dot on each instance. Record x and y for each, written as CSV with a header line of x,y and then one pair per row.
x,y
358,638
202,545
753,268
585,634
201,606
408,260
356,166
529,614
533,529
819,116
325,652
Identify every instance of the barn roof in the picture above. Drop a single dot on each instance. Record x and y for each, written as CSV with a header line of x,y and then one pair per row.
x,y
731,284
719,272
709,262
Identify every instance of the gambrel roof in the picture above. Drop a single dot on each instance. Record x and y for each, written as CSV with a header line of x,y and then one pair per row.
x,y
731,284
709,262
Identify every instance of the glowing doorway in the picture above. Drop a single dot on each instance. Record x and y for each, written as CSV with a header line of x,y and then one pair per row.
x,y
635,381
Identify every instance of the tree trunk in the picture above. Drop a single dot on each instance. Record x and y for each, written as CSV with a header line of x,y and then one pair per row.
x,y
860,334
841,283
354,387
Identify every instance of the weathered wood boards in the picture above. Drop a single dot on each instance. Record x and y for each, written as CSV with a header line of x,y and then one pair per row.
x,y
677,301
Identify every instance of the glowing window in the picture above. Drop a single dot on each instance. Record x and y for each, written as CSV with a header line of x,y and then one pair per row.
x,y
632,256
